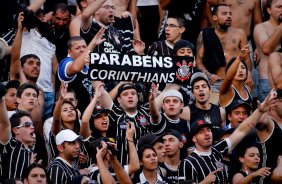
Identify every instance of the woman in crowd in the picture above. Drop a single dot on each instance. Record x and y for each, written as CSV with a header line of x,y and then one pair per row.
x,y
249,157
233,86
149,161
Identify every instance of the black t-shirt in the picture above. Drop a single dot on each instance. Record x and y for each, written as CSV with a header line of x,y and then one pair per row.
x,y
212,115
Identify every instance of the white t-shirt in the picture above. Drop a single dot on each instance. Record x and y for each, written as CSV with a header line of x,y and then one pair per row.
x,y
147,2
34,43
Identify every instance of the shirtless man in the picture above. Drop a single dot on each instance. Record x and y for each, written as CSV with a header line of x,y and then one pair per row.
x,y
231,41
267,36
249,9
275,70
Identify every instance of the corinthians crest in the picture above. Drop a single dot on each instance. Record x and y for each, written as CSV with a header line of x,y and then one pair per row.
x,y
184,72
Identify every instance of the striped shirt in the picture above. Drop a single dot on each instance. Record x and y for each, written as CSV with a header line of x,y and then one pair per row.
x,y
14,159
160,48
176,175
200,164
117,129
117,41
61,172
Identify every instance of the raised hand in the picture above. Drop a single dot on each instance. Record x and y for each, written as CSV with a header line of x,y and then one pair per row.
x,y
154,91
269,102
244,53
98,38
20,20
264,171
130,131
139,46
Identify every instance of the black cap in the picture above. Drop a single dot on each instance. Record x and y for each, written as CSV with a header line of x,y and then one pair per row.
x,y
125,87
99,110
182,44
148,139
236,103
174,133
220,132
198,124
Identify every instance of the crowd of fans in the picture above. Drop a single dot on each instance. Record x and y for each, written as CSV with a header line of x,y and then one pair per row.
x,y
222,125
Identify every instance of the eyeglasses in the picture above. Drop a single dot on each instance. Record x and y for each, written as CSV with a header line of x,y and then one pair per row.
x,y
171,26
25,124
109,7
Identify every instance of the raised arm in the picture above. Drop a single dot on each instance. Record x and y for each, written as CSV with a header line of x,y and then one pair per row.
x,y
15,67
133,164
154,109
246,126
76,66
5,125
85,131
226,90
105,175
105,99
36,5
56,125
86,19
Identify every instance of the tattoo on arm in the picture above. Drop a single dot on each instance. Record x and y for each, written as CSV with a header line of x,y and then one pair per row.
x,y
199,43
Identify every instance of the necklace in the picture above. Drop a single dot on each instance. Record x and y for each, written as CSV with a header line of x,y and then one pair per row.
x,y
224,45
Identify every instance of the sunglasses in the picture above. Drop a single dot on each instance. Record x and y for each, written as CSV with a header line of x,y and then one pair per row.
x,y
25,124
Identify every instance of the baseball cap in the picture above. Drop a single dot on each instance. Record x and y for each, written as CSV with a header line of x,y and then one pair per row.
x,y
99,110
124,87
148,139
182,44
198,75
198,124
66,135
174,133
236,103
173,93
220,132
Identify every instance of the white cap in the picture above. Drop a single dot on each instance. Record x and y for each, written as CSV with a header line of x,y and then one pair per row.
x,y
66,135
174,93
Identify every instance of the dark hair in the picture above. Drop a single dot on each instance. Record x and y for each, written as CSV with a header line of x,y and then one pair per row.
x,y
215,7
269,3
73,39
12,84
25,86
76,125
180,20
70,90
15,118
62,7
232,60
12,181
242,151
199,79
143,148
26,57
32,166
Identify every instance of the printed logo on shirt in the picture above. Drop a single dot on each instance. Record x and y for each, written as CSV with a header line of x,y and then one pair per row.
x,y
143,121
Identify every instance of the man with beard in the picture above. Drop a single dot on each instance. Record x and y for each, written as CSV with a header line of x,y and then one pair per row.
x,y
226,43
275,69
17,139
267,36
60,28
205,163
63,169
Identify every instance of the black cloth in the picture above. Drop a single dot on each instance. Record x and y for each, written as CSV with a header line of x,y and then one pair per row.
x,y
176,175
214,55
160,48
212,115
